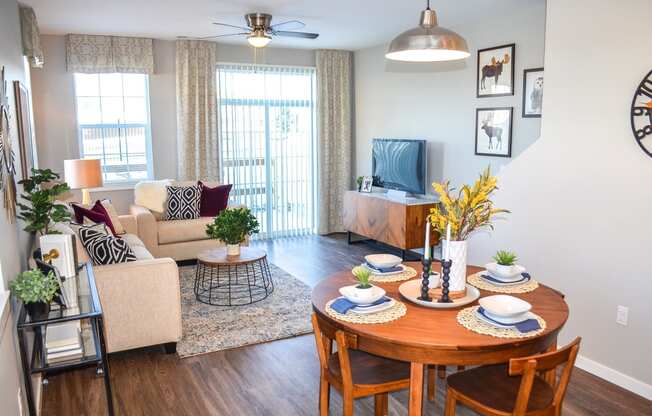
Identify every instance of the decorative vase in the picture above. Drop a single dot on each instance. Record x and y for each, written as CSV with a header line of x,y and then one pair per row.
x,y
233,249
37,310
457,253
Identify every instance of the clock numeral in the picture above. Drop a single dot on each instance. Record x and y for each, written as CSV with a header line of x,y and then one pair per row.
x,y
644,132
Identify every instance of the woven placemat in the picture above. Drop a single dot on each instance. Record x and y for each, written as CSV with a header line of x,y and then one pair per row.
x,y
480,283
388,315
468,319
407,274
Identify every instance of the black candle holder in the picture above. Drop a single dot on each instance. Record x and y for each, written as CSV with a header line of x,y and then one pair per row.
x,y
425,277
445,278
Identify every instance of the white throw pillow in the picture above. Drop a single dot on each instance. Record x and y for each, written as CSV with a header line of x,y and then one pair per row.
x,y
152,194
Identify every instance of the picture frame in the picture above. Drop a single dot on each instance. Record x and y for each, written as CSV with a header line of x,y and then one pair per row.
x,y
367,184
495,71
24,124
532,92
493,131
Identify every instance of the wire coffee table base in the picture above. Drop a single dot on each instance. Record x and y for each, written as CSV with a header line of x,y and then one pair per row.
x,y
233,284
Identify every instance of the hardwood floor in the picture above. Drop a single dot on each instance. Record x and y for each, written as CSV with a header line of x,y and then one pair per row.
x,y
277,378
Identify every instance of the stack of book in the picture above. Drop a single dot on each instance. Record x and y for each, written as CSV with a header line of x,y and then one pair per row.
x,y
63,342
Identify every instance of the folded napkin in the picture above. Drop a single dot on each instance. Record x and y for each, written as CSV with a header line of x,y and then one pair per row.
x,y
384,269
343,305
526,278
527,325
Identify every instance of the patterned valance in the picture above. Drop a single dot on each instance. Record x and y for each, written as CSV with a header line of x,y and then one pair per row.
x,y
31,37
93,54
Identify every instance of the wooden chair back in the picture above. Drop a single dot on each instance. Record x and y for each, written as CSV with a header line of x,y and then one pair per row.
x,y
324,344
527,367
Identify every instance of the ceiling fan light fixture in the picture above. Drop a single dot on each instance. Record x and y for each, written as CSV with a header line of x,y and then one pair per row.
x,y
258,39
428,42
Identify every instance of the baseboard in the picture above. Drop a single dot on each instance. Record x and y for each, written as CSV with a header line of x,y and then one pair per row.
x,y
615,377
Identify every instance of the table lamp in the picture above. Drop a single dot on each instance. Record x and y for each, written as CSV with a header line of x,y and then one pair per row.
x,y
83,174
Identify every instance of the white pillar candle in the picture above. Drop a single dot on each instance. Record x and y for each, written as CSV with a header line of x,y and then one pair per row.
x,y
426,247
447,254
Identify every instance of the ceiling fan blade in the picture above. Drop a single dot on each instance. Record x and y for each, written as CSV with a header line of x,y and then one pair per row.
x,y
289,25
304,35
234,26
223,36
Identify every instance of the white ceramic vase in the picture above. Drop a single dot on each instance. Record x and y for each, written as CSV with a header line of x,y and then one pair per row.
x,y
458,250
233,249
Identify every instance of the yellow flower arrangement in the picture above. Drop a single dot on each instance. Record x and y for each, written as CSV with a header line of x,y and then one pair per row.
x,y
470,210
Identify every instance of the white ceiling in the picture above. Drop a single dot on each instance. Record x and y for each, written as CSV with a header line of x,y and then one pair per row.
x,y
342,24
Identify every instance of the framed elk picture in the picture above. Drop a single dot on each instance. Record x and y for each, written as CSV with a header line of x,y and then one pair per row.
x,y
496,71
493,131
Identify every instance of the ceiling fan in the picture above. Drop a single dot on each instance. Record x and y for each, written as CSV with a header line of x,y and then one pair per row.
x,y
259,30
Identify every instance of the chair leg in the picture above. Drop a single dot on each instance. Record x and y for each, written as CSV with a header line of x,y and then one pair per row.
x,y
324,396
432,384
381,404
347,399
451,401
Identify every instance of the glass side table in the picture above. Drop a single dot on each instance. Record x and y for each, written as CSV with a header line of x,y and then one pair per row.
x,y
88,314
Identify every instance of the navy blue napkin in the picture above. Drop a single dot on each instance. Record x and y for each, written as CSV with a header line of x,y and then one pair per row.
x,y
384,269
526,277
524,326
343,305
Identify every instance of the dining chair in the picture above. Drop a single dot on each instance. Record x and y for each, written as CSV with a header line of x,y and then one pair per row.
x,y
495,390
356,373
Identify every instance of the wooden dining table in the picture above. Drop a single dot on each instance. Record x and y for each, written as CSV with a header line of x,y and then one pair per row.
x,y
425,336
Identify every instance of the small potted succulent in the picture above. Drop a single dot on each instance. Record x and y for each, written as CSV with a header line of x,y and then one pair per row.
x,y
362,275
36,290
364,292
232,226
505,262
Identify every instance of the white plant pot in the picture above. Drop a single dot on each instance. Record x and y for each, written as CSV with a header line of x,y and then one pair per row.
x,y
233,249
505,270
458,251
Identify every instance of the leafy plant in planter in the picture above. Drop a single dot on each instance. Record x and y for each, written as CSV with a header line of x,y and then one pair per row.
x,y
505,258
36,290
40,211
233,225
362,274
359,181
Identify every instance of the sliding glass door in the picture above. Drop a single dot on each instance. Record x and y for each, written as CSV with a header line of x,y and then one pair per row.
x,y
268,142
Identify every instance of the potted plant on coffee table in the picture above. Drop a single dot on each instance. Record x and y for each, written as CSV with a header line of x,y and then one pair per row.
x,y
36,290
232,226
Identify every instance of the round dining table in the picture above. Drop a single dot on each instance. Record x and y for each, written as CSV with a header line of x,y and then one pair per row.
x,y
425,336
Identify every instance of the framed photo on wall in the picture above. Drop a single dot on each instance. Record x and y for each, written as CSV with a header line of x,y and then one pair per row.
x,y
495,72
24,123
493,131
532,92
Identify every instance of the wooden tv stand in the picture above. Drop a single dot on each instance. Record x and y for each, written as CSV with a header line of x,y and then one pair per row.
x,y
396,223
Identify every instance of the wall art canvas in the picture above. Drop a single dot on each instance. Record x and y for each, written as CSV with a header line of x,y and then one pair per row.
x,y
24,122
532,92
495,76
493,131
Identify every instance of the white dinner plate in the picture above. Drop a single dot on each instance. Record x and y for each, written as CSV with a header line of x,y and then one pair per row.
x,y
484,319
515,275
361,310
377,273
411,290
383,260
501,283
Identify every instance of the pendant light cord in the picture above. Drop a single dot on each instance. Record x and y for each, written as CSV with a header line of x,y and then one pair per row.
x,y
427,4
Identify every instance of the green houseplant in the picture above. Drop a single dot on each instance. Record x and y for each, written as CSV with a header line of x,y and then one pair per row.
x,y
362,275
36,290
232,226
39,211
505,261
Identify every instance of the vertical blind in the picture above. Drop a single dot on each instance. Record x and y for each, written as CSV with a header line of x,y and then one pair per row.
x,y
268,144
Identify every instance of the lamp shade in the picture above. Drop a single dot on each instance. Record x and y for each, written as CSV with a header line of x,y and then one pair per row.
x,y
83,173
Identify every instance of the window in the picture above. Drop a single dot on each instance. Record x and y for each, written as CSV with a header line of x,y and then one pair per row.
x,y
268,142
113,123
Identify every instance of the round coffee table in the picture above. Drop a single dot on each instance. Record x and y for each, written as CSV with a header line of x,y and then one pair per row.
x,y
223,280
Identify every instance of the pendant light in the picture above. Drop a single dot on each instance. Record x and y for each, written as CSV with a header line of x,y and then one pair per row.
x,y
428,42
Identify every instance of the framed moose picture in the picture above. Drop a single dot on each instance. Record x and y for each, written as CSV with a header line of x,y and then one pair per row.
x,y
493,131
495,77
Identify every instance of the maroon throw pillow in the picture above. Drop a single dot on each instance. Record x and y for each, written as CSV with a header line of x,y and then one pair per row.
x,y
213,200
96,214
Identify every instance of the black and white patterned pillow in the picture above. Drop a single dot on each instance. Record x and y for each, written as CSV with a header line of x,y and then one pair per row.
x,y
105,248
183,203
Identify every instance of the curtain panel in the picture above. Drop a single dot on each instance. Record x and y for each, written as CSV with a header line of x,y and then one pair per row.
x,y
334,92
31,37
197,138
95,54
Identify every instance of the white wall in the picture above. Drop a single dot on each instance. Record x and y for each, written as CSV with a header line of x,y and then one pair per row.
x,y
54,105
581,196
14,243
437,101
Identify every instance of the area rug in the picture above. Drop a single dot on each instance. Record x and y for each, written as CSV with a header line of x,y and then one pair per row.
x,y
285,313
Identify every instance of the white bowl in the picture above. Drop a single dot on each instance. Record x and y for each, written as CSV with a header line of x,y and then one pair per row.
x,y
383,260
508,320
504,306
362,296
505,273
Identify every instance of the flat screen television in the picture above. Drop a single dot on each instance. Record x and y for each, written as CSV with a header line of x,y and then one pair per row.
x,y
400,164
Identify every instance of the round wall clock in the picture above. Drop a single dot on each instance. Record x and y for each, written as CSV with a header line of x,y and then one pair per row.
x,y
642,114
